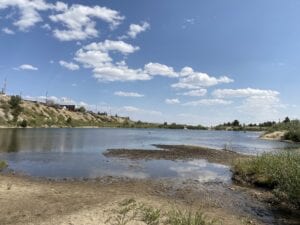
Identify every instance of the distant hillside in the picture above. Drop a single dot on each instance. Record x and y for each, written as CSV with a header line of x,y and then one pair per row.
x,y
15,112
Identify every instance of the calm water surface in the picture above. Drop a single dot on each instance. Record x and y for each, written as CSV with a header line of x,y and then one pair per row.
x,y
77,153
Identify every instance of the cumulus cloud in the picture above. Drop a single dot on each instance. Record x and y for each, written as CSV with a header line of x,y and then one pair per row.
x,y
160,69
69,65
208,102
29,11
79,24
247,92
8,31
27,67
191,79
97,57
172,101
195,93
135,29
128,94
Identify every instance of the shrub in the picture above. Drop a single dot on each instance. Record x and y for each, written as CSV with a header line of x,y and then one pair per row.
x,y
15,105
23,123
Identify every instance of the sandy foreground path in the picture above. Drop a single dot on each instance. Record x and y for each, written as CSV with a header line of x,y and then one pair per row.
x,y
26,200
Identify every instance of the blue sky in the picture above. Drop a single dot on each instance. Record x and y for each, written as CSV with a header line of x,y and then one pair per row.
x,y
204,62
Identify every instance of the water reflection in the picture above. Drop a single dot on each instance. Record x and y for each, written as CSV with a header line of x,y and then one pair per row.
x,y
78,152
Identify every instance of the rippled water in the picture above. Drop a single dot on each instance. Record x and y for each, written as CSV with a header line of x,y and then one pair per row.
x,y
77,153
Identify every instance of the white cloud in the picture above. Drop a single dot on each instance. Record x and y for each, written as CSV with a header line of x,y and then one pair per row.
x,y
133,109
8,31
191,79
79,23
69,65
261,108
29,11
160,69
128,94
172,101
247,92
135,29
27,67
195,93
46,26
97,57
208,102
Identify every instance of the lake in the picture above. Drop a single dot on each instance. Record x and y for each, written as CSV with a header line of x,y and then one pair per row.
x,y
77,153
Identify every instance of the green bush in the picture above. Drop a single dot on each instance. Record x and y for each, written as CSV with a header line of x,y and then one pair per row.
x,y
293,135
23,123
280,172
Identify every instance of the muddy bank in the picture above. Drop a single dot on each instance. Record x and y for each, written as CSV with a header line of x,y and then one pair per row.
x,y
28,201
177,152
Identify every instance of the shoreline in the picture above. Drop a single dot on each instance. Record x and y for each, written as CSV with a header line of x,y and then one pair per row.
x,y
36,200
25,200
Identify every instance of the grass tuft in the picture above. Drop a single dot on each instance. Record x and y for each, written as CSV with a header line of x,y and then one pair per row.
x,y
129,211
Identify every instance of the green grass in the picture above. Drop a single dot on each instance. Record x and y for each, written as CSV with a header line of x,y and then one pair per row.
x,y
280,172
129,211
3,165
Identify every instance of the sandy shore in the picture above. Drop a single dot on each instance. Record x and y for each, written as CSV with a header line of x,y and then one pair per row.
x,y
26,200
276,135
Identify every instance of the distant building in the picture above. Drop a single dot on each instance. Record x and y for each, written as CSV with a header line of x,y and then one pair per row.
x,y
68,107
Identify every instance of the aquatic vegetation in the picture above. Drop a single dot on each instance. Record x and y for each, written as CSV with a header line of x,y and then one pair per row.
x,y
279,172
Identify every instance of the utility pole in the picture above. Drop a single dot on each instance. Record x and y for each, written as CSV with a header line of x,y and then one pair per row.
x,y
46,97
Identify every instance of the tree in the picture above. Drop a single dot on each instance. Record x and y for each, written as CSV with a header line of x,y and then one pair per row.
x,y
235,123
82,109
287,120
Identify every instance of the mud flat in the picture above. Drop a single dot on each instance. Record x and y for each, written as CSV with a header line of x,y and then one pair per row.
x,y
177,152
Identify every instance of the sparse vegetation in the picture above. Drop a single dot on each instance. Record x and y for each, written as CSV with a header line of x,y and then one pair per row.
x,y
129,210
279,172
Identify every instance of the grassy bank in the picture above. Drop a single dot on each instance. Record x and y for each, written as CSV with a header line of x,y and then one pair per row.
x,y
279,172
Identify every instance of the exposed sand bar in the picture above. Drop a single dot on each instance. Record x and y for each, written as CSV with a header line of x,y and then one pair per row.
x,y
177,152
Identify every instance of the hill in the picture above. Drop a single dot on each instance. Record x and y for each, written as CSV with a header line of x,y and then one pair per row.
x,y
15,112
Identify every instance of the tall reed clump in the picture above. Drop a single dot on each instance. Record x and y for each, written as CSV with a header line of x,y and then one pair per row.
x,y
280,172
